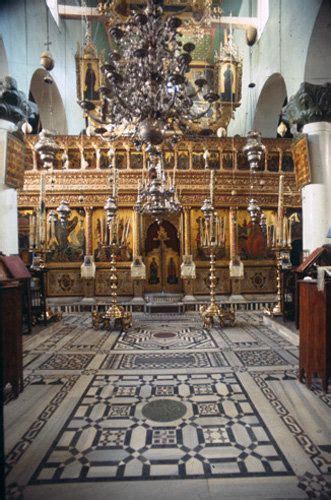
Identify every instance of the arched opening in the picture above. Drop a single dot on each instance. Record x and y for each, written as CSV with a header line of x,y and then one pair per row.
x,y
162,258
49,101
269,106
317,68
4,71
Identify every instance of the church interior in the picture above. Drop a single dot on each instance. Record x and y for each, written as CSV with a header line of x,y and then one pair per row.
x,y
165,249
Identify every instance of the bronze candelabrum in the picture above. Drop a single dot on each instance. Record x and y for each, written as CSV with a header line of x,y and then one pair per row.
x,y
40,231
279,239
212,231
115,312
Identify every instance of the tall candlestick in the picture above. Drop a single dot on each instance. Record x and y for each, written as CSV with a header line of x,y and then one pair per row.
x,y
31,231
280,212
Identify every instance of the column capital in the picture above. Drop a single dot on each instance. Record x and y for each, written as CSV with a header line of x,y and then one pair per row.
x,y
317,128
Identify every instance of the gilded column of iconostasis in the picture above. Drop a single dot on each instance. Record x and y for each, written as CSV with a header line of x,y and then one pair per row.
x,y
82,176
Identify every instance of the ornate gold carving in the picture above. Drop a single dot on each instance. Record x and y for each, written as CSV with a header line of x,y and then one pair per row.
x,y
300,150
14,162
91,187
64,283
102,282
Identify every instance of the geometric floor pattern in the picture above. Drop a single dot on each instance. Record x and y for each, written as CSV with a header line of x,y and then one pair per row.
x,y
160,336
220,435
167,410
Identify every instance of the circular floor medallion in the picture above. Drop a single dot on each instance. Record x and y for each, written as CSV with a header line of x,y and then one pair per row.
x,y
164,410
164,335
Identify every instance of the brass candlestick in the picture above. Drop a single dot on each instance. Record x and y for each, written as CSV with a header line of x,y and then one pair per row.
x,y
280,242
115,311
213,236
277,310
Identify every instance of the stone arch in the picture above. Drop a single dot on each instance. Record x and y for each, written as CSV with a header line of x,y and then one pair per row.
x,y
317,67
269,106
48,98
4,70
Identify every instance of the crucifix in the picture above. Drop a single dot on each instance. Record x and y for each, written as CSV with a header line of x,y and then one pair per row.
x,y
162,237
48,43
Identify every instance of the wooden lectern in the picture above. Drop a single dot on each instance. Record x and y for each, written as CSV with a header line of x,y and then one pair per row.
x,y
321,256
12,274
315,332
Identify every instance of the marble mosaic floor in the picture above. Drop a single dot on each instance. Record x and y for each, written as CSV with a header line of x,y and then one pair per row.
x,y
166,411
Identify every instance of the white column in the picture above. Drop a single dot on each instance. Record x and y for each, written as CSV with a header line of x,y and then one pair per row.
x,y
8,198
316,197
314,216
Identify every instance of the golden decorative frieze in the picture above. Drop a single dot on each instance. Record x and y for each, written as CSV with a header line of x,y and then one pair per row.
x,y
91,188
95,181
300,150
92,142
88,154
30,200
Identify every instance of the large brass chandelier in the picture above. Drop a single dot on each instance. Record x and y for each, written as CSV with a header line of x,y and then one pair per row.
x,y
146,94
147,97
157,194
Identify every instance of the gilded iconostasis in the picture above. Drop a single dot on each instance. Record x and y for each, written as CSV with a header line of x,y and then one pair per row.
x,y
162,247
81,176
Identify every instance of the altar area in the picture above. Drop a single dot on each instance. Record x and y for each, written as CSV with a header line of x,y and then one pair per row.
x,y
81,176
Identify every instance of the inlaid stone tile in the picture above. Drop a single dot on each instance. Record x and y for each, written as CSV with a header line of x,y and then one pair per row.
x,y
213,437
63,361
261,357
157,361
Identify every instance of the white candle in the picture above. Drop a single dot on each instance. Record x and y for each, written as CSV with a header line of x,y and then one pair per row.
x,y
30,231
37,239
289,240
273,235
102,229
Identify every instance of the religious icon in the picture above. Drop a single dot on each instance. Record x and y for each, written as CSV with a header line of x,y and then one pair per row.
x,y
227,160
90,91
172,278
287,163
228,82
121,159
88,74
198,161
153,273
136,159
214,159
273,161
251,241
183,159
67,243
242,163
169,160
